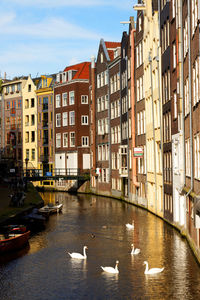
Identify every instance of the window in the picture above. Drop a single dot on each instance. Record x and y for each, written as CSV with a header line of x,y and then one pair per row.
x,y
29,88
139,23
84,99
32,102
85,141
197,156
187,155
65,119
72,139
58,101
18,86
101,57
72,118
173,8
32,136
174,55
27,153
13,88
65,139
84,120
58,120
64,99
58,140
71,98
175,105
33,154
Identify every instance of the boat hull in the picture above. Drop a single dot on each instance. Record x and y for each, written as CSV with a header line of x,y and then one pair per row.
x,y
14,243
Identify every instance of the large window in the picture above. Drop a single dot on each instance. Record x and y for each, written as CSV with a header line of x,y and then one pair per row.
x,y
58,140
58,120
64,99
72,118
72,139
65,121
65,139
71,98
58,101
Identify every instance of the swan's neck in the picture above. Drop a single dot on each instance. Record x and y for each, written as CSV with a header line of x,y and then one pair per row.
x,y
147,267
84,252
116,267
132,249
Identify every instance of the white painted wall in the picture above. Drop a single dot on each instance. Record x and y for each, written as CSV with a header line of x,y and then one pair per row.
x,y
60,162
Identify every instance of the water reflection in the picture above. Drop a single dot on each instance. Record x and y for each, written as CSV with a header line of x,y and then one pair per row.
x,y
99,223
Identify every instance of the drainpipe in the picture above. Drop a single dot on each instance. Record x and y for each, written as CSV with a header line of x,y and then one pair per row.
x,y
153,125
190,97
160,106
127,114
109,127
134,159
183,99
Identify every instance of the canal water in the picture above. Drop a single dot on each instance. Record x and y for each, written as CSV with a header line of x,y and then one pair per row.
x,y
45,271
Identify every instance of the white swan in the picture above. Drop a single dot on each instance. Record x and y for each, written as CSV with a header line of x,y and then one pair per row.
x,y
153,270
78,255
134,251
130,226
111,269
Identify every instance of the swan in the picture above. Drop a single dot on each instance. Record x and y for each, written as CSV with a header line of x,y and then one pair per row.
x,y
130,226
78,255
153,270
134,250
111,269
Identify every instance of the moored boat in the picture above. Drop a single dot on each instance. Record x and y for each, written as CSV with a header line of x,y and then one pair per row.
x,y
51,209
13,241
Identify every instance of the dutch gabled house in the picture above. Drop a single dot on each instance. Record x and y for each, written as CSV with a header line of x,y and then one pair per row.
x,y
72,134
106,53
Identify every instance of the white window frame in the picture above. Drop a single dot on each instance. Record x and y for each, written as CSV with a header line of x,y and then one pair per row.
x,y
58,120
84,120
72,138
58,140
58,101
65,118
71,98
64,99
72,117
65,139
85,141
84,99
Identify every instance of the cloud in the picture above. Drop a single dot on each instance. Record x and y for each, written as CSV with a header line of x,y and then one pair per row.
x,y
52,28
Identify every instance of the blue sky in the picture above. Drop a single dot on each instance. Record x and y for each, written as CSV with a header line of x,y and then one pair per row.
x,y
44,36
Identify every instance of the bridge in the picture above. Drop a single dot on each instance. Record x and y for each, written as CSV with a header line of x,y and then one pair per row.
x,y
56,174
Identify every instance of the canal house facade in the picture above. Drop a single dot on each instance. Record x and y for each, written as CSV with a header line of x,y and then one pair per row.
x,y
12,120
45,115
30,149
72,134
140,112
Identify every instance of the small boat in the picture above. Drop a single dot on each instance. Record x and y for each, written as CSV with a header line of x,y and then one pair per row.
x,y
51,209
34,220
13,241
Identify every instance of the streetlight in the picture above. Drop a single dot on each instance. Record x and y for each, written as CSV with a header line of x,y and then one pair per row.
x,y
26,162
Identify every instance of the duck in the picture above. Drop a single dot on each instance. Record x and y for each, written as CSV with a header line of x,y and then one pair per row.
x,y
134,251
111,269
153,270
130,226
79,255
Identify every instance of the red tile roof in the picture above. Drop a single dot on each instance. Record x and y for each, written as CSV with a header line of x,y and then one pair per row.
x,y
82,70
110,46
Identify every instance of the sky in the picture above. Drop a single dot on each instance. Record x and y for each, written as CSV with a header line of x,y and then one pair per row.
x,y
44,36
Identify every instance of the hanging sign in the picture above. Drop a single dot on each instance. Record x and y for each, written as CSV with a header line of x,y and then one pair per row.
x,y
138,152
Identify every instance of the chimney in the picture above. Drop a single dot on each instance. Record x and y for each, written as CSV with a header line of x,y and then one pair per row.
x,y
5,75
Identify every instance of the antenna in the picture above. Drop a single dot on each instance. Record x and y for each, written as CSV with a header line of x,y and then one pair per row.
x,y
125,22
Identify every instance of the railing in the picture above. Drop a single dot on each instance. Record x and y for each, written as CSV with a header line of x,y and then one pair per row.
x,y
39,174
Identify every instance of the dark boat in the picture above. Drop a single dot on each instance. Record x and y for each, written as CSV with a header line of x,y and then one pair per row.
x,y
13,241
34,220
